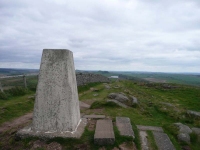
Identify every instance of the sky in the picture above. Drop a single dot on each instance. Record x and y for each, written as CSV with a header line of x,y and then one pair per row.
x,y
113,35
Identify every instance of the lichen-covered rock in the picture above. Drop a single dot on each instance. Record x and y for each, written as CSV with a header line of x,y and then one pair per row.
x,y
184,137
121,97
193,113
183,128
107,86
196,131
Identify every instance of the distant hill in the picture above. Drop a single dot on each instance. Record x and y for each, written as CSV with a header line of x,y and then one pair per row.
x,y
10,71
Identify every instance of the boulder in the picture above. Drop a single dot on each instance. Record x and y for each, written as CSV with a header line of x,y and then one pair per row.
x,y
193,113
121,97
107,87
134,100
184,137
196,131
183,128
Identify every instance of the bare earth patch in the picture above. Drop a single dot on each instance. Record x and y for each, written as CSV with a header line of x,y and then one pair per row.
x,y
17,123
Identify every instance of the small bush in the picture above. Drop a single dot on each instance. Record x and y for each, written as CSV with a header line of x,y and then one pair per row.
x,y
99,104
193,138
3,96
16,91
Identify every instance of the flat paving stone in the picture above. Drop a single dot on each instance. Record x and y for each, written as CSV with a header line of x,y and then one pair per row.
x,y
124,126
104,133
162,141
151,128
144,140
94,116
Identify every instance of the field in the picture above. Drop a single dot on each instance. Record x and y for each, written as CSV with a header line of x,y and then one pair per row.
x,y
180,78
160,104
157,77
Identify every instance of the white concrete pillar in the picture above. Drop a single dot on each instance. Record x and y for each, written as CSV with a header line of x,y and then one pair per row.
x,y
56,105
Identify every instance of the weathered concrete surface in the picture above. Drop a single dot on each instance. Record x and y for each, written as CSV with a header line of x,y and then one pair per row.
x,y
94,116
56,104
162,141
152,128
56,108
28,132
104,133
144,140
124,126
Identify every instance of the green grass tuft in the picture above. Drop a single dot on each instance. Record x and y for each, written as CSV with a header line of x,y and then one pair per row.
x,y
102,104
151,140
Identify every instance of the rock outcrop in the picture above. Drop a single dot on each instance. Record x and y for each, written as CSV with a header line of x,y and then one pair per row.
x,y
85,78
184,132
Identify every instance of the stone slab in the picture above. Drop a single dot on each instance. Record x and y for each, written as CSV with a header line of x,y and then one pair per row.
x,y
151,128
162,141
124,126
104,133
118,103
94,116
144,140
28,132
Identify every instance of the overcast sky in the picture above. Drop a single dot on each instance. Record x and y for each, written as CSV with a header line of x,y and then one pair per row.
x,y
123,35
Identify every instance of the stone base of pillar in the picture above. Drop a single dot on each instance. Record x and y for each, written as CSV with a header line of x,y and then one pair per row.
x,y
28,132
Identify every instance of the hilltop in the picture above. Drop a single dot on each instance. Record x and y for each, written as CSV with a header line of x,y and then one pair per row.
x,y
159,104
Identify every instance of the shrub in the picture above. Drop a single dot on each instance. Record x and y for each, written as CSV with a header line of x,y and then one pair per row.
x,y
16,91
3,96
100,104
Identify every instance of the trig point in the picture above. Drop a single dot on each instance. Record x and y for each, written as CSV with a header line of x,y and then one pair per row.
x,y
56,110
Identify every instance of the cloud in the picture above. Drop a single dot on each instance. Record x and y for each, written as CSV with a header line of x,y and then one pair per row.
x,y
103,35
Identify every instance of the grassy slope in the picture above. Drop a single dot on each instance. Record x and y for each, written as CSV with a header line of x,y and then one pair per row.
x,y
15,107
149,112
171,78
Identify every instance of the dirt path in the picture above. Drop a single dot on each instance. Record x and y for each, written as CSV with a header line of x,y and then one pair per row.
x,y
16,123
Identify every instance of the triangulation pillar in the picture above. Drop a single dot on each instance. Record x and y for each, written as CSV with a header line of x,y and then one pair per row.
x,y
56,109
